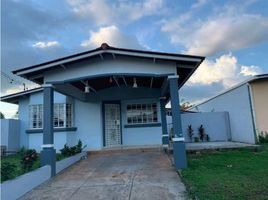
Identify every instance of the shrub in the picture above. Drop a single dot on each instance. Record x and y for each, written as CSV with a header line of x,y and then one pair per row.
x,y
7,171
263,137
28,159
70,151
196,139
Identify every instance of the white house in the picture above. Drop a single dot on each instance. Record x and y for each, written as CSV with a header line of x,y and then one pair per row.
x,y
107,97
247,105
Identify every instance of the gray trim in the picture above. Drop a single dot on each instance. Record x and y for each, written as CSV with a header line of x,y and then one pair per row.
x,y
54,130
48,155
163,117
179,151
179,154
142,125
165,140
252,113
111,50
175,105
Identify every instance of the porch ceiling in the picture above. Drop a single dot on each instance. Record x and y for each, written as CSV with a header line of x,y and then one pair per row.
x,y
101,83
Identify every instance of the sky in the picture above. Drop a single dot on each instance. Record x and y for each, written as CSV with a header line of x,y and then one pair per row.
x,y
232,34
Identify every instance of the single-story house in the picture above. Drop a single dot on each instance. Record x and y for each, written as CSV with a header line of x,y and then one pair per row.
x,y
107,97
247,105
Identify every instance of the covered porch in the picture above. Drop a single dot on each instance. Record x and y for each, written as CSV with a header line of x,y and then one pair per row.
x,y
123,92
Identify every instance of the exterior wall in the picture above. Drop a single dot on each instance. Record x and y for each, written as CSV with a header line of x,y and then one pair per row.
x,y
24,121
35,140
119,65
10,135
88,120
237,103
60,139
260,103
216,125
141,135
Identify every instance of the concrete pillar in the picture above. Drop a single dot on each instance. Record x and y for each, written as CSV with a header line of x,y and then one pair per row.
x,y
179,151
48,153
165,138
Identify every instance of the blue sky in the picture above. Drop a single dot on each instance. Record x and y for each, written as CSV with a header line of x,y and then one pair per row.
x,y
233,35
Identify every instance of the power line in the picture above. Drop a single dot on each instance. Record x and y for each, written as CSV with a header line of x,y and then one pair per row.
x,y
13,80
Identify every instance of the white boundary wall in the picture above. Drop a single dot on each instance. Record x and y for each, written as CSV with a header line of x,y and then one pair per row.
x,y
216,125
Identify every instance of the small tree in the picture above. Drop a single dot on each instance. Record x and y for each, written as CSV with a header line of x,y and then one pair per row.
x,y
201,132
190,132
185,105
2,116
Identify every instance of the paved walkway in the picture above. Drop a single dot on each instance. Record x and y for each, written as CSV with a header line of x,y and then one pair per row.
x,y
127,174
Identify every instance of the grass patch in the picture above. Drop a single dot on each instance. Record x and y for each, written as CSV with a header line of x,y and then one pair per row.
x,y
236,174
17,169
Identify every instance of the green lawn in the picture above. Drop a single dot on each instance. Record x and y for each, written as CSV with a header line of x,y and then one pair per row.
x,y
16,160
235,174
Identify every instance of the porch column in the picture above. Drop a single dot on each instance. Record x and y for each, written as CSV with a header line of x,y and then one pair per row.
x,y
48,153
179,151
165,138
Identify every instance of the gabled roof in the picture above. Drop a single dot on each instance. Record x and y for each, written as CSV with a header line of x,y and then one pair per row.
x,y
250,80
105,48
13,98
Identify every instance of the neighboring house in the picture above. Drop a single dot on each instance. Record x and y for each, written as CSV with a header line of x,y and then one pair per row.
x,y
107,97
247,105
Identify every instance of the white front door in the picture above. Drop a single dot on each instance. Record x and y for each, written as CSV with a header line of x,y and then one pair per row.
x,y
112,129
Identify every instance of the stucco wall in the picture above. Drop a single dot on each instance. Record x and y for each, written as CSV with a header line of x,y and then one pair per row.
x,y
87,118
89,123
260,104
141,135
216,125
33,140
237,103
60,139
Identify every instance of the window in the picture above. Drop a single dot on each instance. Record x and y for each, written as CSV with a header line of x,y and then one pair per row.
x,y
62,115
141,113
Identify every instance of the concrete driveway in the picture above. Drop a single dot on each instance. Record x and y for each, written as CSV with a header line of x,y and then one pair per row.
x,y
127,174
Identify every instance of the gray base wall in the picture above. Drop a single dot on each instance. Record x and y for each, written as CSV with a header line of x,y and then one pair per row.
x,y
14,189
216,125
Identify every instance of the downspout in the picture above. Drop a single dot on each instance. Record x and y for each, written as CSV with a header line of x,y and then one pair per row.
x,y
252,111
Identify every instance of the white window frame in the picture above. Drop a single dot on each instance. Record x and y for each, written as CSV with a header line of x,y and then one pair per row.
x,y
56,116
151,117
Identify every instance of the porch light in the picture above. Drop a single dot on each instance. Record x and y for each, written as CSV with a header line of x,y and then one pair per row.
x,y
87,88
135,83
110,80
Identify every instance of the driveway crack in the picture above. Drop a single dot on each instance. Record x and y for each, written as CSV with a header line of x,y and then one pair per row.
x,y
131,185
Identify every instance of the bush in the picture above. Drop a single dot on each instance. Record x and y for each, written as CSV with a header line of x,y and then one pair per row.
x,y
70,151
28,159
7,171
263,137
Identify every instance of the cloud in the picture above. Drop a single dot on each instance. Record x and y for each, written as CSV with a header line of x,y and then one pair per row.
x,y
224,70
48,44
199,3
250,70
119,11
220,33
113,36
